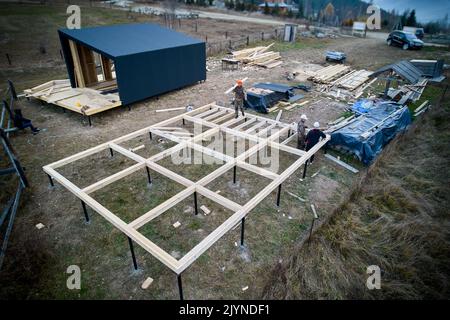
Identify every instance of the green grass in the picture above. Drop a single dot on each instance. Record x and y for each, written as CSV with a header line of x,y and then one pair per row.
x,y
431,93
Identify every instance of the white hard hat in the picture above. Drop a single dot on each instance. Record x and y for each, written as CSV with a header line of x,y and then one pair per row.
x,y
316,125
303,117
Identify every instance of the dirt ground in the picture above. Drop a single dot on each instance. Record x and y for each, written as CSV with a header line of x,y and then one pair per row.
x,y
36,260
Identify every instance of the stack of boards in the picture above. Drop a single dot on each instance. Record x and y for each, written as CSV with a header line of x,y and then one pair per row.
x,y
259,56
342,82
86,101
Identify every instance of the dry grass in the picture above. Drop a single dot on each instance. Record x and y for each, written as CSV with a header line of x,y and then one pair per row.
x,y
396,217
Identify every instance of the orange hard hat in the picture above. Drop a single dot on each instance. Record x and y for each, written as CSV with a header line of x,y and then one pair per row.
x,y
239,82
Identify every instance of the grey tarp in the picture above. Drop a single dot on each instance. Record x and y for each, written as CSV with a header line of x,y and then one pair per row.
x,y
367,149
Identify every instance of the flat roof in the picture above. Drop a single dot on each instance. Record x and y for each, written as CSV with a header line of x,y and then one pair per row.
x,y
127,39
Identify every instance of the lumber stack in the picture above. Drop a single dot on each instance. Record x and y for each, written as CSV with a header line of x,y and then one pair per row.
x,y
259,56
354,79
328,74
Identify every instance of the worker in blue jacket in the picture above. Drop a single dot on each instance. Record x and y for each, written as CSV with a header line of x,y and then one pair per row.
x,y
314,135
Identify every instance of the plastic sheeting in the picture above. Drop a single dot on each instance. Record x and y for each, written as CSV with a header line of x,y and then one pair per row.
x,y
262,102
367,149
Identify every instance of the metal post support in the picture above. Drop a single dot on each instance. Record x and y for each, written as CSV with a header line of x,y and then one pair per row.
x,y
133,256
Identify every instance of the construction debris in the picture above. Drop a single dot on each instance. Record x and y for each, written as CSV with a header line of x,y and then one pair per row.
x,y
327,74
430,68
295,196
314,212
177,224
408,92
86,101
137,148
422,108
258,56
341,163
315,174
171,109
147,283
40,226
205,210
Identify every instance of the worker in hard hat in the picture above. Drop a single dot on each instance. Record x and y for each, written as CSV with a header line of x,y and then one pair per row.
x,y
314,135
301,132
239,97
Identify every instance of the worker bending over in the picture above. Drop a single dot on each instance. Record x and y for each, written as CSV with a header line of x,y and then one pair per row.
x,y
301,132
314,135
239,97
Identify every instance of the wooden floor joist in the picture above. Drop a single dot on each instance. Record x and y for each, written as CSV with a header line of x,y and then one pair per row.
x,y
205,116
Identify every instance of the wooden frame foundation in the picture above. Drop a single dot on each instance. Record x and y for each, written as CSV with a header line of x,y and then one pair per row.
x,y
263,132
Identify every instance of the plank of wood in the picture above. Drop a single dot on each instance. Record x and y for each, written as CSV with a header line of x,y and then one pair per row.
x,y
232,88
205,209
279,115
422,106
313,208
77,64
137,148
341,163
147,283
296,196
177,224
171,109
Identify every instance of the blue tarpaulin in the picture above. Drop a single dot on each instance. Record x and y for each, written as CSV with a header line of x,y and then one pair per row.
x,y
262,102
367,148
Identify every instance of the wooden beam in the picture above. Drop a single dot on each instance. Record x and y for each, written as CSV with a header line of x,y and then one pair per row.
x,y
244,124
214,115
227,203
161,208
78,73
149,246
117,176
256,126
341,163
207,242
257,170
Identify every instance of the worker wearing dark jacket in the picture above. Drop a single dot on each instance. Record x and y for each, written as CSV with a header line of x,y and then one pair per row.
x,y
314,136
21,122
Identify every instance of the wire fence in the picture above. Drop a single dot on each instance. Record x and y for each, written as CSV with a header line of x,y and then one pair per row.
x,y
241,41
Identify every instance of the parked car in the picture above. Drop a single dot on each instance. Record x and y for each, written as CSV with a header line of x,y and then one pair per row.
x,y
403,39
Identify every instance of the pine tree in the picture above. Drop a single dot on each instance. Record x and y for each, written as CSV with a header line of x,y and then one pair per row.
x,y
411,20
